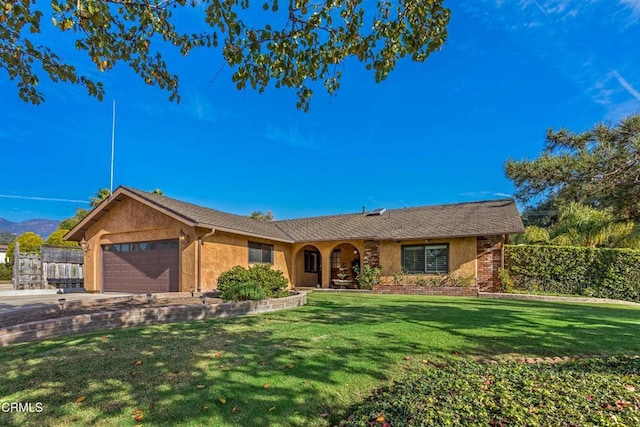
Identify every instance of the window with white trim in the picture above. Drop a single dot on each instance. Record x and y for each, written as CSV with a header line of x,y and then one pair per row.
x,y
426,259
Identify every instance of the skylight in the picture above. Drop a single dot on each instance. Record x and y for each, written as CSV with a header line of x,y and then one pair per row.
x,y
376,212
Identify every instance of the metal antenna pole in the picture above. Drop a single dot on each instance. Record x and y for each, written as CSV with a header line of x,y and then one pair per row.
x,y
113,131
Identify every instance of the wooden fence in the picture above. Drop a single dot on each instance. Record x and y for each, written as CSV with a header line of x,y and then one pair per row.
x,y
54,268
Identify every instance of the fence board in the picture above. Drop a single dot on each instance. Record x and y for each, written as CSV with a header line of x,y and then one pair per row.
x,y
54,268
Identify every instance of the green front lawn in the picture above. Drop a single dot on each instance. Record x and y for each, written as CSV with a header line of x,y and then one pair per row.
x,y
300,367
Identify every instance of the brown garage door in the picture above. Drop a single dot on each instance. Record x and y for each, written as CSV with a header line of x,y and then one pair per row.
x,y
140,267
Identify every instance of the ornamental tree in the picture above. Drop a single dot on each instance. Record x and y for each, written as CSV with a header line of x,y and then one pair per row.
x,y
56,239
30,243
599,168
292,44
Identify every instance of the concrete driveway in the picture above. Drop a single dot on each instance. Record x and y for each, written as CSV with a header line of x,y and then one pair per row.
x,y
16,303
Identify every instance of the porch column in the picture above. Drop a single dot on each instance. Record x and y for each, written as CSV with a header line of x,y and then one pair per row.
x,y
326,267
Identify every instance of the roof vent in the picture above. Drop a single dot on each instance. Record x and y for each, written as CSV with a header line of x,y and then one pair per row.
x,y
376,212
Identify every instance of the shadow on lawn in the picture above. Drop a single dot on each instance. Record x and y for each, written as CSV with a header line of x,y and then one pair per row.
x,y
489,328
200,373
214,372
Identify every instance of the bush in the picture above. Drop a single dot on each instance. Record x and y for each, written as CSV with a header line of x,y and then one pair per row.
x,y
598,272
400,277
459,280
272,281
367,276
6,271
55,239
243,291
30,243
598,392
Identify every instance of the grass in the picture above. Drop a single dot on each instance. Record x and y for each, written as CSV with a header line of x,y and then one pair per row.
x,y
303,367
587,392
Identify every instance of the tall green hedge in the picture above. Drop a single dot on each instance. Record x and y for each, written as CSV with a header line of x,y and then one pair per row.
x,y
598,272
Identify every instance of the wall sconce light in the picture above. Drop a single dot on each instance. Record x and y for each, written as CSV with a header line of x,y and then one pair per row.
x,y
149,296
182,236
203,297
192,290
83,245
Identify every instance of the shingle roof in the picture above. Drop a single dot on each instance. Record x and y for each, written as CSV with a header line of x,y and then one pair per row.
x,y
215,219
493,217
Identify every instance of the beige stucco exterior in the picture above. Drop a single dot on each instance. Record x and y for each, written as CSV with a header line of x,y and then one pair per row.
x,y
300,278
462,255
206,253
462,258
132,221
222,251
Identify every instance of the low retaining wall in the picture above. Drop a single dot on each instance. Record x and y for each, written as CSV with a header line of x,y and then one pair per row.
x,y
45,329
454,291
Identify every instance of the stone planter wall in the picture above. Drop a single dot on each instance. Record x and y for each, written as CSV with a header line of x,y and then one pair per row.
x,y
35,331
458,291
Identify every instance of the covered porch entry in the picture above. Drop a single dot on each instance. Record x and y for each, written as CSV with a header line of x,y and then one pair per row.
x,y
327,264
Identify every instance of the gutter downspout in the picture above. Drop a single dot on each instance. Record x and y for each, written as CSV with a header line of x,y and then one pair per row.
x,y
204,236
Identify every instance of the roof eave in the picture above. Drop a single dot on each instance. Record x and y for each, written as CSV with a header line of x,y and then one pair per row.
x,y
77,232
243,233
417,237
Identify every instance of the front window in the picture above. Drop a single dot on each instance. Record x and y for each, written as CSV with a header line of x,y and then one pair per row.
x,y
426,259
310,262
260,253
336,259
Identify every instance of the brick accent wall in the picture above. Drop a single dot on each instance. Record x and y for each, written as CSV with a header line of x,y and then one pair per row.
x,y
371,253
36,331
457,291
489,258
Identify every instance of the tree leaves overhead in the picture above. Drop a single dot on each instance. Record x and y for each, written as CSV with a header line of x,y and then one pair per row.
x,y
291,45
600,168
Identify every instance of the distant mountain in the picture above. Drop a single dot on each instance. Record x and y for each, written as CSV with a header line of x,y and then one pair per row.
x,y
42,227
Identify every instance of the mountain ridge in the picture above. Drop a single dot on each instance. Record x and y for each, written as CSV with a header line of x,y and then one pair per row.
x,y
41,226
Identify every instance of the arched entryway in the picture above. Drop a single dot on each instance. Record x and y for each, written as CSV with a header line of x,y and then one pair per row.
x,y
308,267
345,260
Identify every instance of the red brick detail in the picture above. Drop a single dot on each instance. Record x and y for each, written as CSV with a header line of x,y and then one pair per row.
x,y
372,253
489,259
453,291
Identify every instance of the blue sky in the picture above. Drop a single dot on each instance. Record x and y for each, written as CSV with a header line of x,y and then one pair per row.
x,y
433,132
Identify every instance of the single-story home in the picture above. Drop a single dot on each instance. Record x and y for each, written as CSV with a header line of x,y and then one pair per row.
x,y
136,241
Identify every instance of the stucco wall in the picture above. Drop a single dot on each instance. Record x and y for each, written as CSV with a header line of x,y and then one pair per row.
x,y
222,251
299,278
306,279
462,255
132,221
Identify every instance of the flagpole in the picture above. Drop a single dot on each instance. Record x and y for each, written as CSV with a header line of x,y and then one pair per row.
x,y
113,131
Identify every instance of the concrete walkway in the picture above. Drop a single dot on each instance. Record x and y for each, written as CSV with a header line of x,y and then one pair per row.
x,y
16,303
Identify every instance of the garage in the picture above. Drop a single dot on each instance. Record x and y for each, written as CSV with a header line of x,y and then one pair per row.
x,y
141,267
